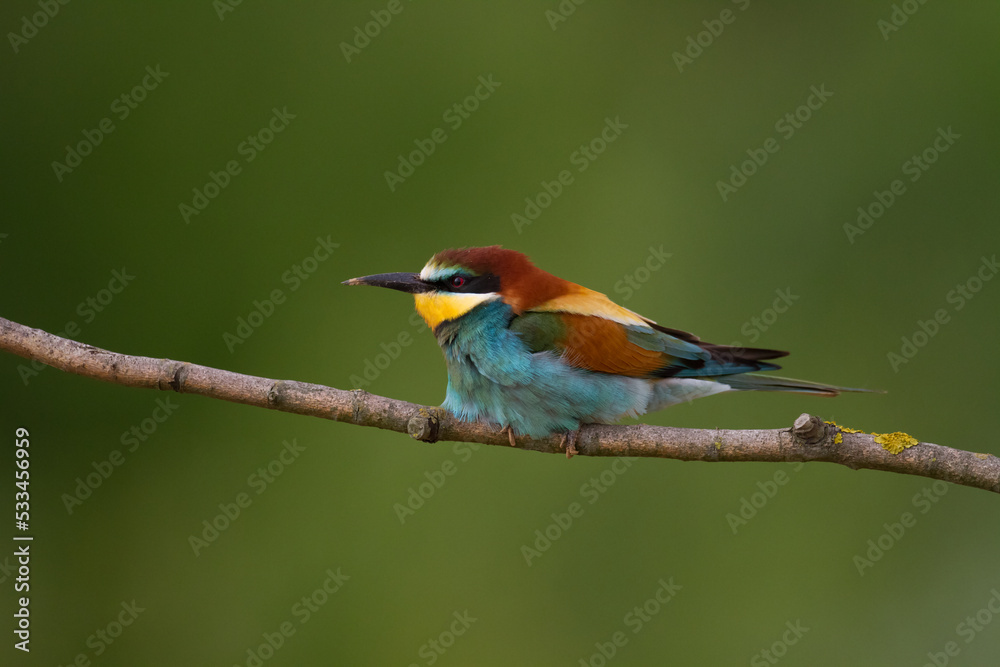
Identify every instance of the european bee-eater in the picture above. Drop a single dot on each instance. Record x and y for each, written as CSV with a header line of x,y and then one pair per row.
x,y
538,355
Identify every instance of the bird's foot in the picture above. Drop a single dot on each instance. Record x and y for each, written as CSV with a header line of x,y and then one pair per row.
x,y
568,442
510,435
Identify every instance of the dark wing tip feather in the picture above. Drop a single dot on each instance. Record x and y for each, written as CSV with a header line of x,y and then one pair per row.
x,y
724,358
729,351
724,352
676,333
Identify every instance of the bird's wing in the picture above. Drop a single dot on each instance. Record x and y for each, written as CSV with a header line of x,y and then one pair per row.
x,y
590,331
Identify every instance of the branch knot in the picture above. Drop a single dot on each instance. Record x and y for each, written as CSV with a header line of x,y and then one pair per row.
x,y
809,429
178,374
423,426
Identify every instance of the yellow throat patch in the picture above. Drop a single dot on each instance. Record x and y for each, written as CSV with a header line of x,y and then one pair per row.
x,y
438,307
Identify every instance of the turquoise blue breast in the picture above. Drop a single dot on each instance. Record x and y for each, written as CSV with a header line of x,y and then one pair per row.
x,y
494,377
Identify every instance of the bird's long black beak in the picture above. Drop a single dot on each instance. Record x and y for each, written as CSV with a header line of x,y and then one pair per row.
x,y
404,282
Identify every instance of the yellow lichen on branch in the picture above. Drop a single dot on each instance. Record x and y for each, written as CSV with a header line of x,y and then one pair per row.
x,y
893,443
896,442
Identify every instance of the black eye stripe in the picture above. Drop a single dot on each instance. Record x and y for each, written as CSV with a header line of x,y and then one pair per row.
x,y
473,284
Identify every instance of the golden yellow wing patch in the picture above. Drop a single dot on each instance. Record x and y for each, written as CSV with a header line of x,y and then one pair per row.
x,y
588,302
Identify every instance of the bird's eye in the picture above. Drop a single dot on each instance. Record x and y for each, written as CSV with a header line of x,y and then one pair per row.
x,y
456,281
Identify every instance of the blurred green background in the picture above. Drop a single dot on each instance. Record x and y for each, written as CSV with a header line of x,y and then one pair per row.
x,y
222,74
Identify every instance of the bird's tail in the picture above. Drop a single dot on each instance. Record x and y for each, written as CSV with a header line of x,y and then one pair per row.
x,y
755,382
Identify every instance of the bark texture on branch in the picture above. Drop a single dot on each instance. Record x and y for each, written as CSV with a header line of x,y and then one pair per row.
x,y
808,439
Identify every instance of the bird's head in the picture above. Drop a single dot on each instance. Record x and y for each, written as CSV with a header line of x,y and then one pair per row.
x,y
454,282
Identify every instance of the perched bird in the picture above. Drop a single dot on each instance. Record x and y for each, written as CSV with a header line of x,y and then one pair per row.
x,y
539,355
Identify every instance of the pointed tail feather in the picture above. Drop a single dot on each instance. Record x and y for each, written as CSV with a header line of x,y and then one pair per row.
x,y
754,382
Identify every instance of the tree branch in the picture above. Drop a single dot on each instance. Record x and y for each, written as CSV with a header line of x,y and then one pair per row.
x,y
809,439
